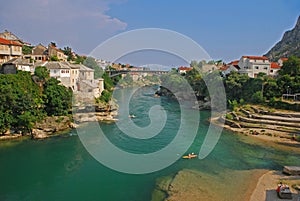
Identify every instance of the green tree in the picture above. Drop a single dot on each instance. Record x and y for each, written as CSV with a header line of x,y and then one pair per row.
x,y
291,67
20,102
26,49
68,51
41,73
54,58
57,98
79,59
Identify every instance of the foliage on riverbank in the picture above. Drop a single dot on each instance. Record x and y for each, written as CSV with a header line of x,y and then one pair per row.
x,y
241,89
26,99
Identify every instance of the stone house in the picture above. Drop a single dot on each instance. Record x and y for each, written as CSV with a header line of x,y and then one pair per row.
x,y
54,51
15,64
87,84
60,71
86,73
39,53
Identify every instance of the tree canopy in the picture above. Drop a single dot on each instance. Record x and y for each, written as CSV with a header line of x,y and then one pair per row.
x,y
23,102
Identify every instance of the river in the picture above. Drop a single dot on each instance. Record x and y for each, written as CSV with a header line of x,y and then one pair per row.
x,y
60,168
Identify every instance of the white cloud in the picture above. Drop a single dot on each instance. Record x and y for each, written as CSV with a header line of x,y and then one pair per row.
x,y
81,24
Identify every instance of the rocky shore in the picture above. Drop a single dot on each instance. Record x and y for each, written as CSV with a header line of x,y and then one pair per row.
x,y
51,126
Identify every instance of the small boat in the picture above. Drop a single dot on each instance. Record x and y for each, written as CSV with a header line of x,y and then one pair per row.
x,y
284,191
192,155
132,116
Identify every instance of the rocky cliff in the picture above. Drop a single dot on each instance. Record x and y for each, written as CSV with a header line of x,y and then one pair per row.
x,y
289,44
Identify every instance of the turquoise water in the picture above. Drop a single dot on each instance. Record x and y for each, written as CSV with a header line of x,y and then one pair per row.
x,y
60,168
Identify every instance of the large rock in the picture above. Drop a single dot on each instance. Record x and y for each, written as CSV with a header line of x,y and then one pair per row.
x,y
291,170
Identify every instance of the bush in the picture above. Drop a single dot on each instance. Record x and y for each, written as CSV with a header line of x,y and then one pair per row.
x,y
229,116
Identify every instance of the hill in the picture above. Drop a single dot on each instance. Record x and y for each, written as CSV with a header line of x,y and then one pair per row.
x,y
289,44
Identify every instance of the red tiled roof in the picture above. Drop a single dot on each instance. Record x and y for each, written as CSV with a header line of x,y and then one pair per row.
x,y
256,57
223,68
184,68
275,65
9,42
284,59
235,62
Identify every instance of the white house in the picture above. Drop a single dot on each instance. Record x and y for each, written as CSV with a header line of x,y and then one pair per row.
x,y
275,67
183,70
253,65
281,60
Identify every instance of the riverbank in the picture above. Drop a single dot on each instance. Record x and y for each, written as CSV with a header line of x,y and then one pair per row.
x,y
265,189
280,126
252,185
192,185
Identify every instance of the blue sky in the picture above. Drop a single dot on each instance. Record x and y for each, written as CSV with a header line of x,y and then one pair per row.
x,y
225,29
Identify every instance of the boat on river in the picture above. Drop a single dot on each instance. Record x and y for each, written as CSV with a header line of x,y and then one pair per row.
x,y
132,116
189,156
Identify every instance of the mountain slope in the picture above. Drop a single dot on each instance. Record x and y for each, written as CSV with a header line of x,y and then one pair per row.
x,y
289,44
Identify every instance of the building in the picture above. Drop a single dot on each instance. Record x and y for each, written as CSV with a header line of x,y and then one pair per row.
x,y
60,71
54,51
87,84
9,50
230,67
39,53
253,65
274,68
281,60
15,64
77,77
12,37
183,70
86,73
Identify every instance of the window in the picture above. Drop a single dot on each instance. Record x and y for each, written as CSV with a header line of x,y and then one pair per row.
x,y
266,67
54,71
256,67
271,71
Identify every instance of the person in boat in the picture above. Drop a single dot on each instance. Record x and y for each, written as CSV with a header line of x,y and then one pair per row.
x,y
279,187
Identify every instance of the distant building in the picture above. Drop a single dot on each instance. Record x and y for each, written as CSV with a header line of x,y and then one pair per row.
x,y
77,77
183,70
15,64
281,60
60,71
275,67
9,50
54,51
86,73
253,65
39,53
207,68
230,67
12,37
